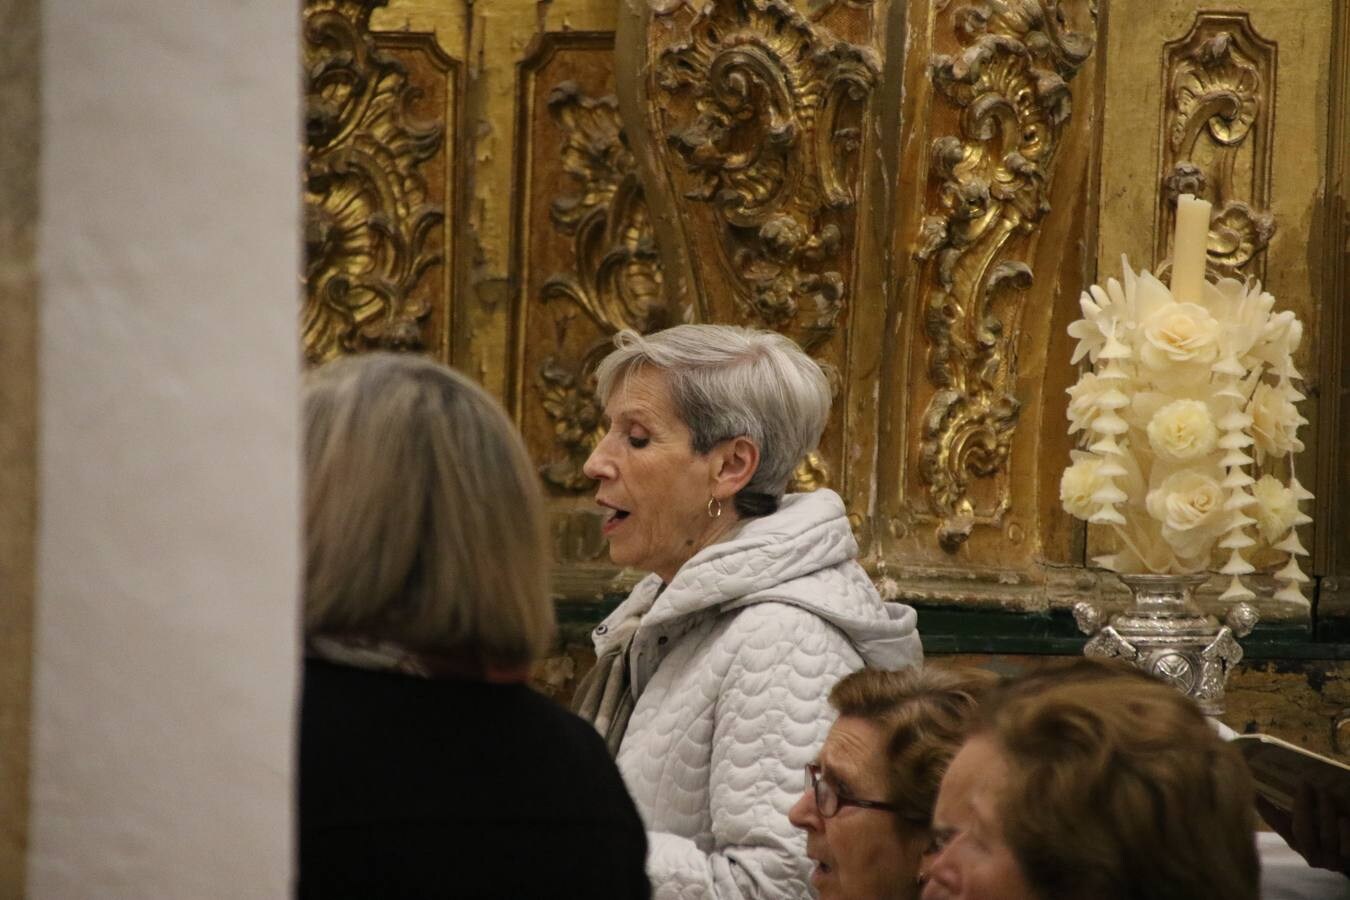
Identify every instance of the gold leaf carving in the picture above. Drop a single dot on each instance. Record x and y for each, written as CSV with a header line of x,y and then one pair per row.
x,y
570,401
370,226
617,279
1010,83
811,474
617,282
1220,78
816,9
775,108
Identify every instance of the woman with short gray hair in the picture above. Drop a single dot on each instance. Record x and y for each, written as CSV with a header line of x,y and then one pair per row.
x,y
713,675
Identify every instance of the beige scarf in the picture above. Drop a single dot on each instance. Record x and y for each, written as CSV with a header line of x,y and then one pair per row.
x,y
605,695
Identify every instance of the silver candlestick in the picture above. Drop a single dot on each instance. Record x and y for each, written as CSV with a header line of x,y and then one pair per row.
x,y
1164,633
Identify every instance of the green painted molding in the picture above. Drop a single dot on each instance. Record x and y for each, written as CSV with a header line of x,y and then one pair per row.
x,y
949,629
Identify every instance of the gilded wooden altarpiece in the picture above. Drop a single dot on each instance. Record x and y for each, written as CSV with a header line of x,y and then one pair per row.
x,y
916,192
380,130
993,203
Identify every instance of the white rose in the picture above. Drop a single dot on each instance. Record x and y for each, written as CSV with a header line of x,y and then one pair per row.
x,y
1079,482
1275,509
1183,429
1180,333
1189,504
1275,421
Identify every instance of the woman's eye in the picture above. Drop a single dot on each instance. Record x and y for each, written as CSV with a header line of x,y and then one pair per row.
x,y
637,443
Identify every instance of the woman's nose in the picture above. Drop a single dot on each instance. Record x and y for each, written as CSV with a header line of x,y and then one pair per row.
x,y
943,878
803,813
599,465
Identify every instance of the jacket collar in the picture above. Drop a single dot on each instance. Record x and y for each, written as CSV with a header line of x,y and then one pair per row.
x,y
807,533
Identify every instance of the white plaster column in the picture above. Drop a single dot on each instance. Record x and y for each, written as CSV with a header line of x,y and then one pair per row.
x,y
168,540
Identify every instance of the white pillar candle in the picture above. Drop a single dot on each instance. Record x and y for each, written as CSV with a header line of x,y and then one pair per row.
x,y
1189,244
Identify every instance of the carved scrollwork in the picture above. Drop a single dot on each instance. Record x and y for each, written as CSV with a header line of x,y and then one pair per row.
x,y
617,282
771,143
617,279
569,398
1220,78
370,224
1010,83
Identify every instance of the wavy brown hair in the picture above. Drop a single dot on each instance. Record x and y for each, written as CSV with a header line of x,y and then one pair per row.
x,y
1120,789
927,712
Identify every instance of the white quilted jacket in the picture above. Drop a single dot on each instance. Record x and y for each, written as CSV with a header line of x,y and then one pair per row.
x,y
732,665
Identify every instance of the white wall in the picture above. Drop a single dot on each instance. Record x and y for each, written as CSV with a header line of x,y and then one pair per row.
x,y
168,556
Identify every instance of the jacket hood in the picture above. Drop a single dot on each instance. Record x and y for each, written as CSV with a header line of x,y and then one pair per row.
x,y
804,555
886,638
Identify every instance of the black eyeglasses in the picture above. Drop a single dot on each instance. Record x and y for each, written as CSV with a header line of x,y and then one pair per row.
x,y
829,800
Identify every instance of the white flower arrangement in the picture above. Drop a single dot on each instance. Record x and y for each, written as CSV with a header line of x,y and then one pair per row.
x,y
1186,390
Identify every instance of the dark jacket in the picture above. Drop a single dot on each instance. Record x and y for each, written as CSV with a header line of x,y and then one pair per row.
x,y
413,787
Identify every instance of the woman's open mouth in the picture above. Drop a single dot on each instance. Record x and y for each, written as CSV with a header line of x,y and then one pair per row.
x,y
615,518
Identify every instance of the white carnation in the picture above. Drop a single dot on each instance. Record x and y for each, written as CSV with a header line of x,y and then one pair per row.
x,y
1275,421
1085,400
1079,482
1275,509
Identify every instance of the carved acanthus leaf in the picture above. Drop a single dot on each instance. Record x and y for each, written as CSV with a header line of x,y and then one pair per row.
x,y
1220,80
569,399
774,110
616,281
1010,83
370,225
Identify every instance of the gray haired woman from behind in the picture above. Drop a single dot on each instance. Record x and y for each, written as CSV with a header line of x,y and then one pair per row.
x,y
714,674
428,766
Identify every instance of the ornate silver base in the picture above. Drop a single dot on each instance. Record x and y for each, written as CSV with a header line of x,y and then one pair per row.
x,y
1165,634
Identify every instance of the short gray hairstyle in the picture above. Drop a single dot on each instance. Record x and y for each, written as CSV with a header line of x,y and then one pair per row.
x,y
727,381
424,522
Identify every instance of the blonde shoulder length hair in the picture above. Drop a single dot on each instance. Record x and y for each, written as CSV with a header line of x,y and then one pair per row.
x,y
424,523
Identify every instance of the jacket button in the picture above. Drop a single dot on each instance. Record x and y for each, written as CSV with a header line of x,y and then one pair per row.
x,y
662,639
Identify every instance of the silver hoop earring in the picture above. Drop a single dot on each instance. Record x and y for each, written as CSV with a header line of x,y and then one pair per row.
x,y
714,508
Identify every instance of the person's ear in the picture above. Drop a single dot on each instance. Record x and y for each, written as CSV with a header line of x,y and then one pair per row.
x,y
735,464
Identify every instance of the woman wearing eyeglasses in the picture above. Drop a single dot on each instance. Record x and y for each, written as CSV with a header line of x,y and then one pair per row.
x,y
868,804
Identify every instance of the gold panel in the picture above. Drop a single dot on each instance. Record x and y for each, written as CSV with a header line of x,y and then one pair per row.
x,y
493,38
751,127
589,265
545,201
378,176
989,192
1216,141
991,210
